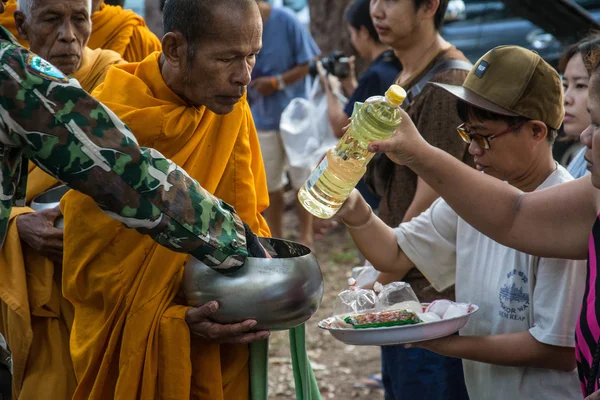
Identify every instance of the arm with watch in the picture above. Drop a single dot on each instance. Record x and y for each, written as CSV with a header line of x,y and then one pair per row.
x,y
268,85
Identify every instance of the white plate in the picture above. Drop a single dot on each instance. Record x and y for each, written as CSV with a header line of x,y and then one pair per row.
x,y
400,334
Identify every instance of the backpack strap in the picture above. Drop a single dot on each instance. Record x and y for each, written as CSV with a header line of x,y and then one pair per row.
x,y
416,89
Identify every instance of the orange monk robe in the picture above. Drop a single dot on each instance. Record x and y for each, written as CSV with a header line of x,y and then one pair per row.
x,y
7,20
122,31
34,317
129,338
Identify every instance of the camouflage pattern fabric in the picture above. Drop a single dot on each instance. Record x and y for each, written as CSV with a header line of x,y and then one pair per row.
x,y
50,120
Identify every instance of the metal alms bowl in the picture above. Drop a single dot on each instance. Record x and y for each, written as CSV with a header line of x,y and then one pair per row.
x,y
50,199
279,293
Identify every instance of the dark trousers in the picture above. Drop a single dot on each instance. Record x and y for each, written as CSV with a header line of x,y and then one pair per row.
x,y
5,383
418,374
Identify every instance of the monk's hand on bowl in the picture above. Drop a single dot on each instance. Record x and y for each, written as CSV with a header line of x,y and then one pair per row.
x,y
38,232
264,85
404,145
200,324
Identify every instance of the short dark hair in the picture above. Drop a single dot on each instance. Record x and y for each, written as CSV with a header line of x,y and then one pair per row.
x,y
115,2
194,18
466,111
358,15
438,19
585,47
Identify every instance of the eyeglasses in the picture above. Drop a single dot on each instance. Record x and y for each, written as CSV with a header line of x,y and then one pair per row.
x,y
484,141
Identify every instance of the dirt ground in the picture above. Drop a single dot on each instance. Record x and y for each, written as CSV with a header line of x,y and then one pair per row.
x,y
338,367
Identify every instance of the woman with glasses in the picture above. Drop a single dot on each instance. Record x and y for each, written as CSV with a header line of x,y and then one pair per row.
x,y
511,107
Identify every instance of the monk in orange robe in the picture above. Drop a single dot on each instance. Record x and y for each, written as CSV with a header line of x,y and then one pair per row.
x,y
122,31
133,337
34,316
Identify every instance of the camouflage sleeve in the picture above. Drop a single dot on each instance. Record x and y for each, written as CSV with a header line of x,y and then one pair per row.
x,y
50,120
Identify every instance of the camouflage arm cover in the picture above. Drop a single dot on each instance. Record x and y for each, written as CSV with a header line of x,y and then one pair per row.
x,y
53,122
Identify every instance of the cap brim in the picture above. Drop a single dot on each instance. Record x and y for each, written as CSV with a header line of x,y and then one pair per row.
x,y
472,98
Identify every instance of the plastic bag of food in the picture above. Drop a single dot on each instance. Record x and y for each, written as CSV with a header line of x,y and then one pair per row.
x,y
354,300
398,296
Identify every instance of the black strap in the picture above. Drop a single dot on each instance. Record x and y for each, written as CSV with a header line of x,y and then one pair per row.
x,y
416,89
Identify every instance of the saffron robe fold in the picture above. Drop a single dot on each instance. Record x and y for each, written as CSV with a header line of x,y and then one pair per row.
x,y
123,31
7,20
129,338
35,320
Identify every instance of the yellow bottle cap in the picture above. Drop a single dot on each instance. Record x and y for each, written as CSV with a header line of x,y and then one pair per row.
x,y
395,95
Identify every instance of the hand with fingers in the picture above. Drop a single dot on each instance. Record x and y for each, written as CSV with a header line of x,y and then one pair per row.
x,y
404,145
37,230
198,320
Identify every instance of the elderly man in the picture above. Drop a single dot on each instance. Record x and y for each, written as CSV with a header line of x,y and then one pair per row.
x,y
113,28
122,31
131,334
61,40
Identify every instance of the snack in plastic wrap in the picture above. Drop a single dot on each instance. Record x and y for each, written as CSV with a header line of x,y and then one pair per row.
x,y
447,309
397,295
456,310
429,317
354,300
439,307
382,318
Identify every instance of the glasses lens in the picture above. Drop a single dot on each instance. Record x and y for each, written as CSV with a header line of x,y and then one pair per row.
x,y
481,142
464,135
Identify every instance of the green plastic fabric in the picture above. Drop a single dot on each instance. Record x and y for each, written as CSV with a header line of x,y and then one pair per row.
x,y
304,377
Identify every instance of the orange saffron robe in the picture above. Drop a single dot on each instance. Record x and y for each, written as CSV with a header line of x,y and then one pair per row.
x,y
122,31
129,338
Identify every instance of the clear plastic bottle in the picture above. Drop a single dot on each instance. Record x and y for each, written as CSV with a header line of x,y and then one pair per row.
x,y
331,182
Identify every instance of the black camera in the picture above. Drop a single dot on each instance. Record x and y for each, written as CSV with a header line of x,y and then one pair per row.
x,y
336,64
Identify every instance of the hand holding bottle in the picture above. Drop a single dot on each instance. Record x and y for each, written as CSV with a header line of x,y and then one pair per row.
x,y
404,146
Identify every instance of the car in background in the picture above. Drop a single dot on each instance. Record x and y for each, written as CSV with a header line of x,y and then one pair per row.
x,y
545,26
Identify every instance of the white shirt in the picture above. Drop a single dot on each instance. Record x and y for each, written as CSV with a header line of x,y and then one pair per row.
x,y
515,292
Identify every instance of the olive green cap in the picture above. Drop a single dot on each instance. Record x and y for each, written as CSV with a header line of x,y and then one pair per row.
x,y
514,81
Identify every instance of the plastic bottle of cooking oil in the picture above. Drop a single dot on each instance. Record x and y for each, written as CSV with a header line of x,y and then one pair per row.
x,y
331,182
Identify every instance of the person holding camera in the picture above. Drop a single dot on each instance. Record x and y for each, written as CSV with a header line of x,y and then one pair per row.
x,y
279,76
378,77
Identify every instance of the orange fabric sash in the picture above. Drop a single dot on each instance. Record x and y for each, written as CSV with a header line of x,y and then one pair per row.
x,y
35,320
7,20
129,338
122,31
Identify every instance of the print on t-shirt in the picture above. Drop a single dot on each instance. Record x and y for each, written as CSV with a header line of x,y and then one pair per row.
x,y
514,296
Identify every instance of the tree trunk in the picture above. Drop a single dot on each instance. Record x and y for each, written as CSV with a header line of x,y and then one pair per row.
x,y
328,26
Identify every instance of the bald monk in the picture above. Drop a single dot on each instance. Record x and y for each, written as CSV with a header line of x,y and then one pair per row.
x,y
35,316
122,31
132,336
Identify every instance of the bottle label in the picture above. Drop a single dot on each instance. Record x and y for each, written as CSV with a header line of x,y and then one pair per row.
x,y
316,174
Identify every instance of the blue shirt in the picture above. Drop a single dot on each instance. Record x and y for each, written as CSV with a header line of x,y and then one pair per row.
x,y
286,44
380,75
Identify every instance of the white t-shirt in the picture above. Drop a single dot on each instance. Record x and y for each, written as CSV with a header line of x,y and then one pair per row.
x,y
515,292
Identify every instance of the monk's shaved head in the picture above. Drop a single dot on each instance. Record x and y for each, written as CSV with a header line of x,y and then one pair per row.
x,y
194,19
26,6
